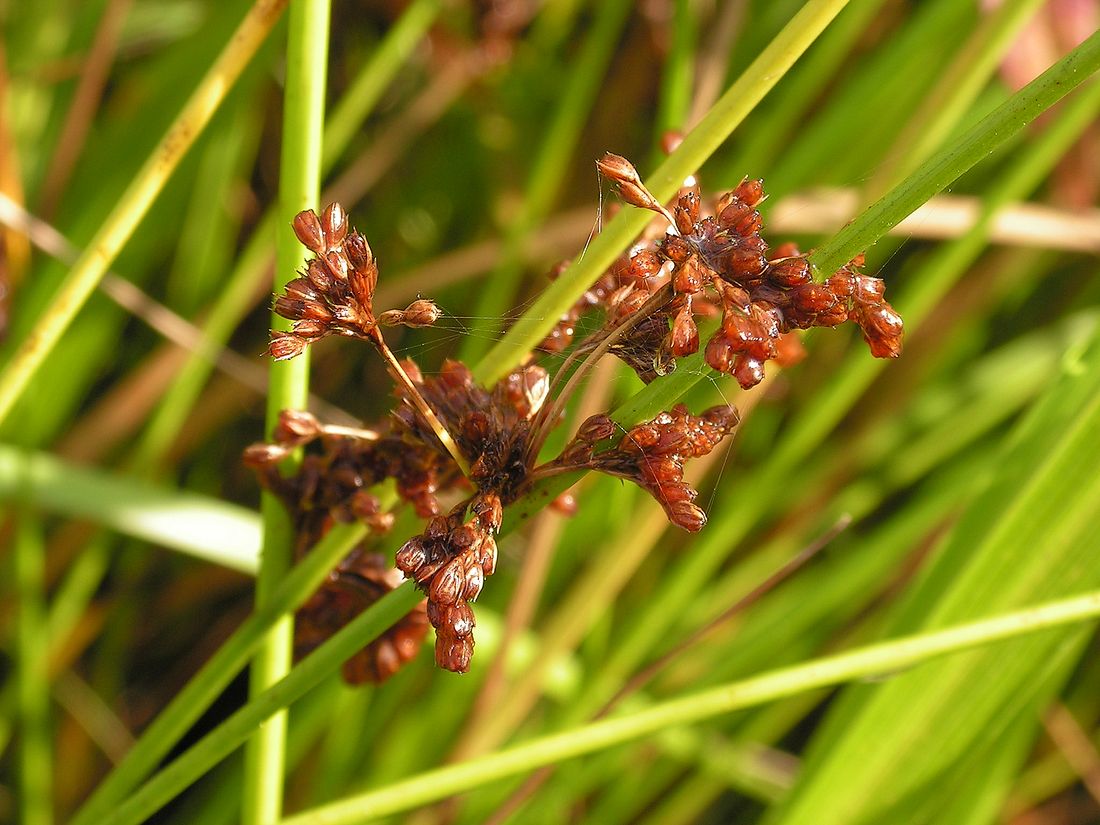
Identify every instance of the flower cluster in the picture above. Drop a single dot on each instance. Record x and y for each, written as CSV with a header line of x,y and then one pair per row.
x,y
335,293
449,562
720,264
489,426
449,439
652,455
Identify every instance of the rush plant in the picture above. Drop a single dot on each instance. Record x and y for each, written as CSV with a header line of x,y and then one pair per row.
x,y
721,564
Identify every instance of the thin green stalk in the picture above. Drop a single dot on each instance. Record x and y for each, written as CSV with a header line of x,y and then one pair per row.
x,y
136,200
366,90
32,642
947,165
212,748
697,146
678,77
867,662
200,692
558,142
946,104
237,295
288,387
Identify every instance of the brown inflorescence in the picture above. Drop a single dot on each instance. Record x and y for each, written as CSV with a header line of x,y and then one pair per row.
x,y
652,455
334,294
720,264
450,439
450,561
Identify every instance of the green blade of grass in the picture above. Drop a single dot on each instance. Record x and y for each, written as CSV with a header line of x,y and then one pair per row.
x,y
135,202
364,93
288,388
35,757
194,524
871,661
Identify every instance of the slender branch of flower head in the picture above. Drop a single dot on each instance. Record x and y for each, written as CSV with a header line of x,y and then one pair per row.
x,y
417,400
549,416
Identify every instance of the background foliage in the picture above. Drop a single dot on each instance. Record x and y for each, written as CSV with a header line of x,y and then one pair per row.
x,y
962,474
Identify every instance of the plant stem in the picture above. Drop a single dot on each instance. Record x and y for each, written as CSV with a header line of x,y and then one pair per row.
x,y
136,200
35,764
947,165
873,660
299,188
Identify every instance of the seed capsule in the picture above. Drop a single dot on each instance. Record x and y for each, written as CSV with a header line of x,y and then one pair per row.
x,y
285,345
334,223
421,313
307,227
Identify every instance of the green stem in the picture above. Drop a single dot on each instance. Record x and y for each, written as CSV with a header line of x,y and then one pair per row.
x,y
678,77
35,761
943,168
871,661
216,745
697,146
116,230
299,188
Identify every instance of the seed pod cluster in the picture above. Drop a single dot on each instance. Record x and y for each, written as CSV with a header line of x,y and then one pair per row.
x,y
359,581
653,453
489,426
720,264
449,437
334,294
450,562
